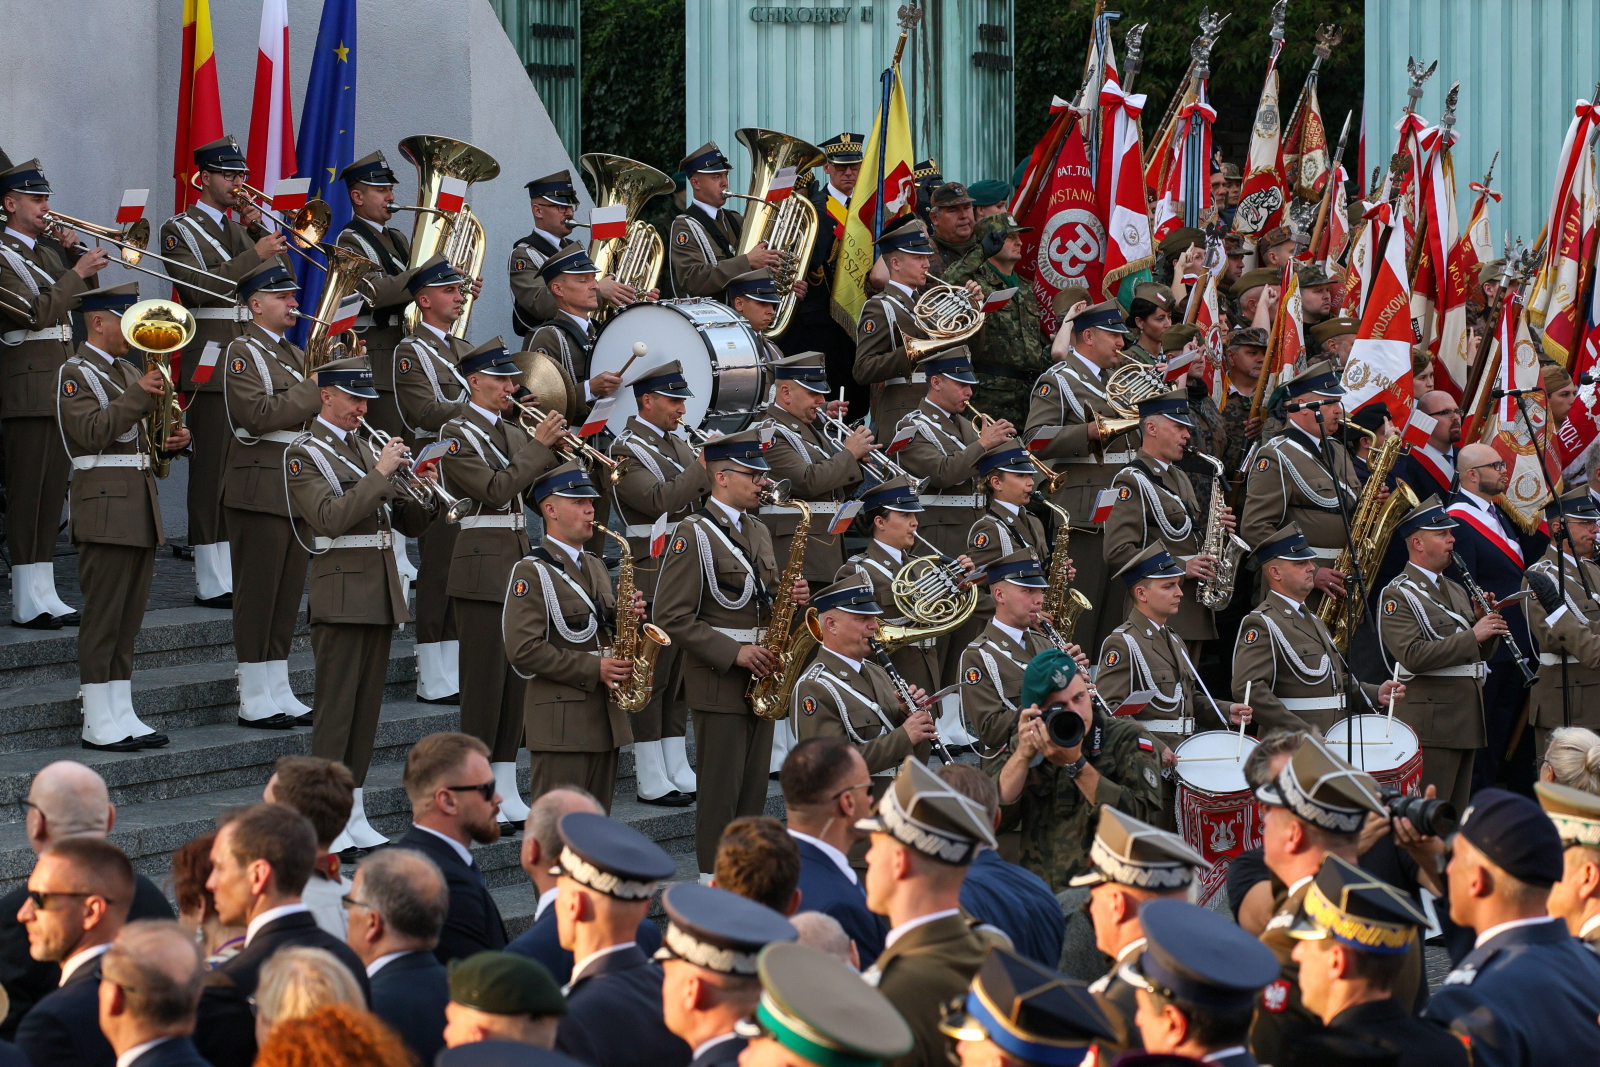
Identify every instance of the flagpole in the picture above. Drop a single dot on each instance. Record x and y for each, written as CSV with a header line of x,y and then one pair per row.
x,y
1331,190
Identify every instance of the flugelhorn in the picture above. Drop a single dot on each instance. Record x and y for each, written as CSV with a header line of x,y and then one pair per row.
x,y
424,491
1055,479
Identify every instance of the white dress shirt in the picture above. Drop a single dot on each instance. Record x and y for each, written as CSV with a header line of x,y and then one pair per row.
x,y
270,915
461,850
133,1054
70,965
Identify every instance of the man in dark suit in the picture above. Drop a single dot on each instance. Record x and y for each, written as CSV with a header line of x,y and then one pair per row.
x,y
454,805
397,906
65,799
152,977
826,788
260,862
77,901
541,847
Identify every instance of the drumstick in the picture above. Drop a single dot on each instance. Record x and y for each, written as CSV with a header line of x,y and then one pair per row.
x,y
639,349
1240,755
1389,722
1206,759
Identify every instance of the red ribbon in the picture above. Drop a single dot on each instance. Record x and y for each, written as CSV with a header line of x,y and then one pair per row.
x,y
1112,96
1483,190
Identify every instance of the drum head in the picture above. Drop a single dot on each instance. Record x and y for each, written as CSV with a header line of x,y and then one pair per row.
x,y
1378,742
1213,761
669,335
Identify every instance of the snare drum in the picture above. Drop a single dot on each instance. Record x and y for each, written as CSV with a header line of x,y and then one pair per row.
x,y
1385,748
1216,807
723,360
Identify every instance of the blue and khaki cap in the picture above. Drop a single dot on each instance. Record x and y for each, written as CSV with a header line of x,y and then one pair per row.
x,y
490,357
744,448
1153,562
554,189
1128,852
571,479
822,1011
896,494
954,363
117,298
1354,908
924,814
1020,568
372,169
1196,957
1428,515
852,594
271,277
1320,379
351,375
1029,1012
221,156
1006,456
1106,315
754,285
1173,405
805,369
666,380
1288,543
1322,789
910,236
707,159
1575,504
435,271
25,178
570,258
718,930
608,856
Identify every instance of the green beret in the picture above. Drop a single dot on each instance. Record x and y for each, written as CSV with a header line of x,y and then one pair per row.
x,y
989,191
1174,338
503,983
1048,672
1252,278
1180,240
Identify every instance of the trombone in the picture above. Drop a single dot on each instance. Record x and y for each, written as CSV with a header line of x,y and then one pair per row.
x,y
1055,479
133,247
424,491
308,227
877,461
569,445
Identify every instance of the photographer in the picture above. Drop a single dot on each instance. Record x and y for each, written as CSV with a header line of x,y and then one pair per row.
x,y
1066,763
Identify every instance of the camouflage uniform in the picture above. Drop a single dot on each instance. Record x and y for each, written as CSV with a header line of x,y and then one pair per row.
x,y
1010,353
1235,413
1058,822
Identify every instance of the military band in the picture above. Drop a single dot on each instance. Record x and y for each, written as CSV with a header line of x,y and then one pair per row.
x,y
884,361
703,241
993,663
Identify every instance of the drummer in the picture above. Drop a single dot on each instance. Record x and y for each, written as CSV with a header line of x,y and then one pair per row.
x,y
754,295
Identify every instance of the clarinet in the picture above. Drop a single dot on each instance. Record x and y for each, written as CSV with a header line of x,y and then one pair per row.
x,y
903,687
1049,630
1480,598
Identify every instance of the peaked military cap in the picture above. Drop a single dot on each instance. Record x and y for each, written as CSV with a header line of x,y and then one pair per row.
x,y
570,258
1029,1012
910,236
1173,405
1320,378
718,930
1106,315
1153,562
896,494
743,448
490,357
1180,241
1249,335
1327,329
852,594
1176,338
1194,956
370,169
603,854
950,194
1132,853
221,156
436,271
707,159
844,148
928,168
1005,456
505,983
351,375
1428,515
803,368
666,380
989,192
1251,279
118,298
1319,787
923,813
571,479
271,277
1021,568
1575,504
821,1010
755,285
25,178
1288,543
1354,908
554,188
954,363
1576,814
1515,835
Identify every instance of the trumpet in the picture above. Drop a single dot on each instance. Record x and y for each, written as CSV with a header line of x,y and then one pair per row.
x,y
132,244
1055,479
569,445
406,479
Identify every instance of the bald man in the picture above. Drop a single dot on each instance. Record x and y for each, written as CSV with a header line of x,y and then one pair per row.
x,y
1495,551
1431,469
153,972
66,799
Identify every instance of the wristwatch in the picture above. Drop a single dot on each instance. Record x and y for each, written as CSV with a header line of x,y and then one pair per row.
x,y
1075,768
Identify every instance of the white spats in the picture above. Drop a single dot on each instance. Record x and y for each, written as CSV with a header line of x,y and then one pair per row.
x,y
650,771
951,730
678,769
282,692
122,707
27,600
100,725
213,570
782,742
255,692
512,807
436,662
358,830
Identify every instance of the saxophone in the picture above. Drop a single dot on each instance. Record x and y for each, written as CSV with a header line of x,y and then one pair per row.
x,y
769,696
1371,527
636,640
1220,544
1062,603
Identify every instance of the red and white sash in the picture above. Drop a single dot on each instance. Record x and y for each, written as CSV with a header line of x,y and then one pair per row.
x,y
1438,473
1474,518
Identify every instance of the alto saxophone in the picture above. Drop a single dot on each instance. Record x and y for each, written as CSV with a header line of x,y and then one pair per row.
x,y
1062,603
636,640
769,696
1221,544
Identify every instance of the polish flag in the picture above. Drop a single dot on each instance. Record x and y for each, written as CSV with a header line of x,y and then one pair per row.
x,y
1180,362
598,416
847,515
902,437
1380,360
658,536
1128,247
1103,501
1419,429
1040,439
131,209
270,152
208,362
291,194
997,300
452,194
608,222
345,316
782,185
1134,703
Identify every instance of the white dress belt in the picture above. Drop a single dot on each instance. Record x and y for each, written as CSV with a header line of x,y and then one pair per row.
x,y
384,539
1104,458
916,378
1327,703
948,501
237,313
820,507
280,437
1551,659
646,531
49,333
494,522
1461,670
89,463
1167,726
744,637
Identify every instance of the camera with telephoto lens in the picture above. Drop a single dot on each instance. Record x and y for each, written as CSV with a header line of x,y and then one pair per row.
x,y
1432,818
1064,726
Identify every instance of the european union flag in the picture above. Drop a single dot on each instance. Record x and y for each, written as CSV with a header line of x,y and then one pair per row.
x,y
328,132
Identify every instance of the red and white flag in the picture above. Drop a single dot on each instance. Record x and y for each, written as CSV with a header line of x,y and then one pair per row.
x,y
1419,428
1040,439
1266,192
658,536
1510,433
598,416
208,362
782,185
844,518
452,194
1452,343
291,194
1104,500
271,149
1179,363
1212,328
131,209
345,317
608,222
1555,298
997,300
1134,703
1068,241
1379,370
902,437
1120,183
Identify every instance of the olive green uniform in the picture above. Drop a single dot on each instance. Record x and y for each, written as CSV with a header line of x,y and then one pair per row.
x,y
819,474
1296,677
921,971
835,698
1156,503
700,251
917,661
991,684
881,360
1009,353
383,325
1575,635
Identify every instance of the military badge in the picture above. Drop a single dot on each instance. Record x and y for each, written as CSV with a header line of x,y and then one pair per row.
x,y
1043,390
453,447
683,237
69,388
295,466
680,545
1389,606
170,242
519,264
519,587
980,540
404,366
1275,997
236,364
1113,657
1252,635
809,705
1124,492
1263,464
1150,776
869,326
973,676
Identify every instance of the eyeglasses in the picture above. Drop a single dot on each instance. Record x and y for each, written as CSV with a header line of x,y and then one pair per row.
x,y
1498,465
486,790
851,789
351,902
42,901
1443,413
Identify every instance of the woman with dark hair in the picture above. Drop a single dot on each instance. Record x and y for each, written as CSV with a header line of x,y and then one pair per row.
x,y
1149,316
197,908
335,1036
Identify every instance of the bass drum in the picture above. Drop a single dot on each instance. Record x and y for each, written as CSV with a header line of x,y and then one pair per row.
x,y
722,357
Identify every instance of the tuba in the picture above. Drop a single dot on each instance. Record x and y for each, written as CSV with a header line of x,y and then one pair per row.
x,y
347,275
769,696
945,313
636,640
1371,526
458,235
788,227
635,259
159,328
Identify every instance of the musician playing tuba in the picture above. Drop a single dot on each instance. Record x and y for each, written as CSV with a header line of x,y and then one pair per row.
x,y
703,240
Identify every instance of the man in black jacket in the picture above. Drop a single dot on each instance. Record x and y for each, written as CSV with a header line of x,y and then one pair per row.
x,y
397,907
153,974
77,901
261,860
65,799
454,805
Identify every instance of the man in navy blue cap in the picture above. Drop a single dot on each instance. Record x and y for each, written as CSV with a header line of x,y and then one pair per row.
x,y
1019,1013
492,465
1441,643
267,400
213,250
754,295
714,596
662,480
1565,577
812,329
1196,983
609,873
559,612
709,955
1529,992
553,201
41,278
342,491
569,335
993,663
101,403
1070,398
703,241
1006,477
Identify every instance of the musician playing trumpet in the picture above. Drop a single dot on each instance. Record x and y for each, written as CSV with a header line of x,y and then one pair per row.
x,y
493,462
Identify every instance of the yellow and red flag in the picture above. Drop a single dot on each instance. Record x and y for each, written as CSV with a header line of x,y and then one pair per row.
x,y
199,101
882,195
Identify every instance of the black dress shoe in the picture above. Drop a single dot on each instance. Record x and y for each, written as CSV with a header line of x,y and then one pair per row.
x,y
223,602
42,622
279,721
453,699
303,720
673,799
154,740
71,618
127,744
353,853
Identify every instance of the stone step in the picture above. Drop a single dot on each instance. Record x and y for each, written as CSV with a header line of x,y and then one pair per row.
x,y
169,637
